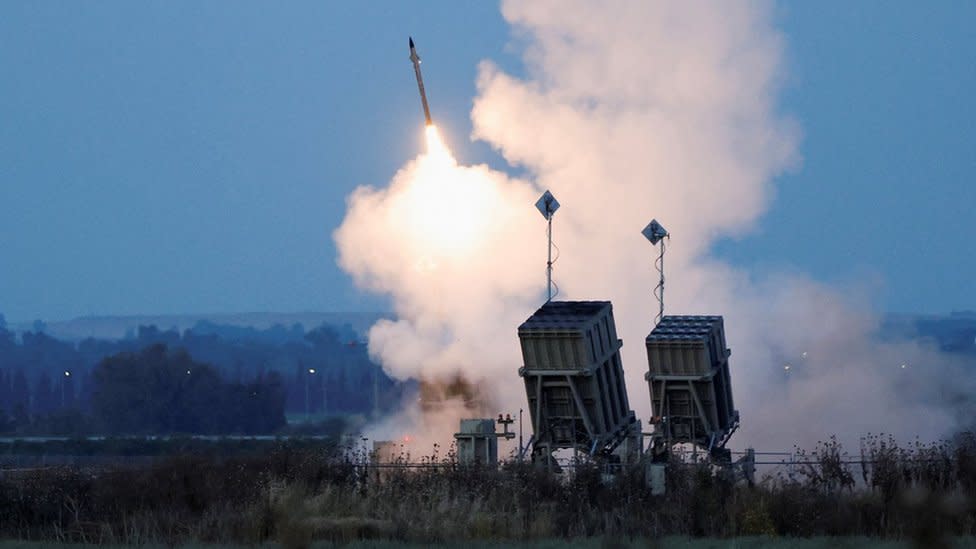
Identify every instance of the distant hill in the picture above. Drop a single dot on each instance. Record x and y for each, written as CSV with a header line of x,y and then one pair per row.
x,y
116,327
955,332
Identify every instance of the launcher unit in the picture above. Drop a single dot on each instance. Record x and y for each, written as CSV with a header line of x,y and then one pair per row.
x,y
688,378
574,381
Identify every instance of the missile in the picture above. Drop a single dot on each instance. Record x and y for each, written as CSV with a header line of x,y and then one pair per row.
x,y
420,80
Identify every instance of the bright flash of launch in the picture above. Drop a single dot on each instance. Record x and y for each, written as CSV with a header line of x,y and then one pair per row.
x,y
446,208
435,145
428,239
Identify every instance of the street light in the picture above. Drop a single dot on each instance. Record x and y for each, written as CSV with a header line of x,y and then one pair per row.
x,y
311,372
67,374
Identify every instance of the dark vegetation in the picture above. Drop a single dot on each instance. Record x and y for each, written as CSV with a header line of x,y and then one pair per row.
x,y
207,380
165,447
240,377
294,493
158,391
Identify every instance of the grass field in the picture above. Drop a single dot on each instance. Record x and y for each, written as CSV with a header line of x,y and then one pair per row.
x,y
589,543
686,543
299,496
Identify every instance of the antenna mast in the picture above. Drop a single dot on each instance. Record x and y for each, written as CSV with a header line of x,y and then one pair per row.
x,y
656,234
549,259
659,289
547,206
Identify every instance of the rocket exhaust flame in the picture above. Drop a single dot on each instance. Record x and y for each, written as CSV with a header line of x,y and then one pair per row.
x,y
436,148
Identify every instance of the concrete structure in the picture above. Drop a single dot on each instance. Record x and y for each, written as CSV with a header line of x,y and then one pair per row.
x,y
477,442
574,380
386,452
688,379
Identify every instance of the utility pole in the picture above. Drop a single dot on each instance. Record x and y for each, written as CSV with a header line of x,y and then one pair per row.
x,y
376,392
521,448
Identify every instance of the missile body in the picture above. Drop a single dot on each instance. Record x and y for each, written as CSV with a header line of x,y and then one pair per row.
x,y
420,80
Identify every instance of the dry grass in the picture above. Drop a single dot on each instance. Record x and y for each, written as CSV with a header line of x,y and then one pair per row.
x,y
296,498
588,543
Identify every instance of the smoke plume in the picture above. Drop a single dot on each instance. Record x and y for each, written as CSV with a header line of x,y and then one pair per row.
x,y
628,112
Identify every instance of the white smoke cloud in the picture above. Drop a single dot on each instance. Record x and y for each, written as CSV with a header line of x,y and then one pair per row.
x,y
628,112
457,247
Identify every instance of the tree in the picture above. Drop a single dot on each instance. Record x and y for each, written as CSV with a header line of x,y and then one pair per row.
x,y
21,419
162,391
7,342
324,336
7,424
43,395
20,392
155,391
5,404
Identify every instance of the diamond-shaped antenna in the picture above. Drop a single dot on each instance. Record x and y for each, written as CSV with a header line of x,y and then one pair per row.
x,y
654,232
547,204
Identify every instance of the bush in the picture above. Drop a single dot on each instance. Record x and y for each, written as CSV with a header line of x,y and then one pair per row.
x,y
296,493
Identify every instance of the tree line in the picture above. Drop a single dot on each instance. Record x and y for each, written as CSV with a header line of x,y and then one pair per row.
x,y
208,379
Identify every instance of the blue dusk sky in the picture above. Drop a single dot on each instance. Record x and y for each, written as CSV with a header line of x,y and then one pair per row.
x,y
194,157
